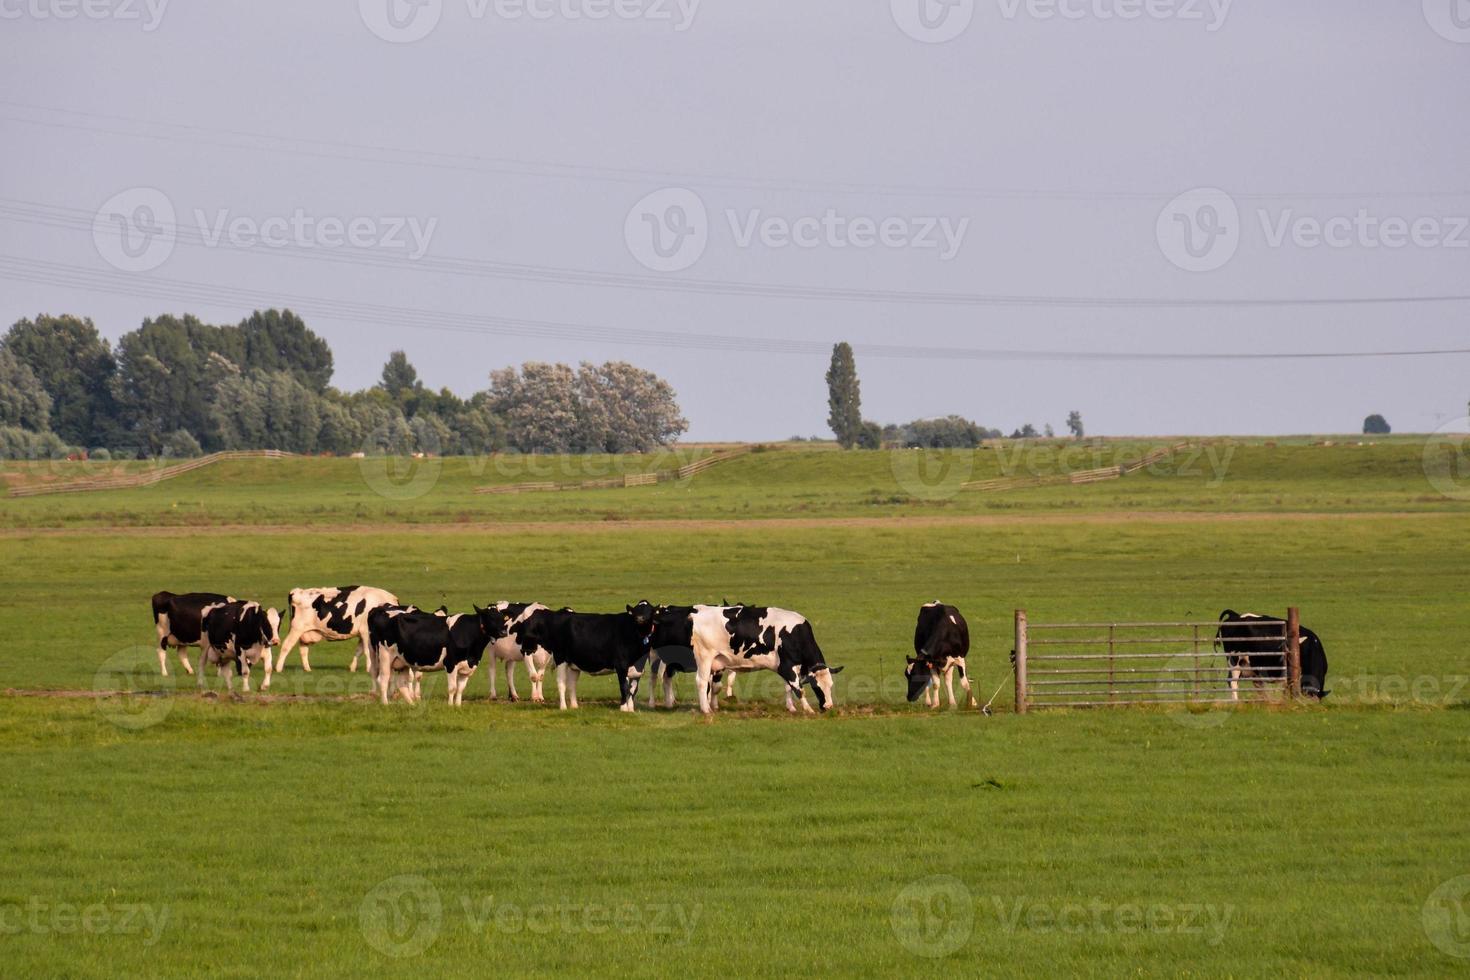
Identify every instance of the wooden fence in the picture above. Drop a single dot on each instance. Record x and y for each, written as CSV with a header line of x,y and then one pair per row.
x,y
1086,665
1078,477
629,480
147,477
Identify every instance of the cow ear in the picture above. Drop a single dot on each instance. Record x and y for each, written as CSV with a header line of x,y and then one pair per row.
x,y
628,608
911,660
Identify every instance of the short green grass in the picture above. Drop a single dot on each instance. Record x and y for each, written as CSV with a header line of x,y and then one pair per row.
x,y
318,833
780,481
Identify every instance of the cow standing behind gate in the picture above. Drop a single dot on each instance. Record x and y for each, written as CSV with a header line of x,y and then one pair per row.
x,y
1255,648
941,644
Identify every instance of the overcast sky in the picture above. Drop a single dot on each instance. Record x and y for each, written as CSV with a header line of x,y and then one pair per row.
x,y
974,175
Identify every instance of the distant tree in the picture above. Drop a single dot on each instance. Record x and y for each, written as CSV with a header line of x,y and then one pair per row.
x,y
870,436
1027,431
1048,431
180,444
399,378
844,399
622,408
539,405
1376,425
1074,424
951,432
278,340
24,403
75,365
165,375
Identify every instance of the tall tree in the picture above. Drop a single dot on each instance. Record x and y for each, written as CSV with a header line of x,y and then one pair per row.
x,y
24,403
844,401
75,366
278,340
165,376
1074,424
400,379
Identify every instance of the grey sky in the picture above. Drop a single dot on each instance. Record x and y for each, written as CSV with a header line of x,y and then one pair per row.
x,y
1059,139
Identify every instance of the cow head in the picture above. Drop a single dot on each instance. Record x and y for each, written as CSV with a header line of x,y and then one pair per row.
x,y
920,675
273,620
493,620
645,618
820,679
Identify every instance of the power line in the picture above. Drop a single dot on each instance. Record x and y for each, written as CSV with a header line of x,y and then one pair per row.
x,y
36,271
78,219
474,163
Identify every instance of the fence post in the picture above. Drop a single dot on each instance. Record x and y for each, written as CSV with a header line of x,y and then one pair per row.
x,y
1020,661
1293,652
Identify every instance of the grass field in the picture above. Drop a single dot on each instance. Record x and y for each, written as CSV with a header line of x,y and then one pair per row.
x,y
315,832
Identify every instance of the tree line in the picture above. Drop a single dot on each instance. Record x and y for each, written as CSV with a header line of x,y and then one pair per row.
x,y
177,386
845,418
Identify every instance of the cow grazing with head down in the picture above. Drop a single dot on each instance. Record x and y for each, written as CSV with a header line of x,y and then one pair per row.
x,y
594,643
179,620
744,638
235,636
331,614
407,643
516,647
1255,648
941,644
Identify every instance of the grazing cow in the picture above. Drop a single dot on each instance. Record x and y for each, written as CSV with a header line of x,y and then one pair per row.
x,y
594,643
742,638
236,635
1255,647
941,643
515,647
406,643
331,614
179,621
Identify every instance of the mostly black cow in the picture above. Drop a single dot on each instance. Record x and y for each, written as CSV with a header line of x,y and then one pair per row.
x,y
941,644
331,614
179,621
594,643
1255,648
235,636
743,638
406,642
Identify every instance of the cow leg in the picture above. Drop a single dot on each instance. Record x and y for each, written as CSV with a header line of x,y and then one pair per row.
x,y
495,663
292,636
702,688
163,655
668,687
730,684
1235,682
361,651
965,683
561,687
536,665
576,673
382,678
627,689
510,680
949,685
265,685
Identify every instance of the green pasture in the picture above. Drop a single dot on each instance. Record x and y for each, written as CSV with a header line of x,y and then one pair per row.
x,y
315,832
788,481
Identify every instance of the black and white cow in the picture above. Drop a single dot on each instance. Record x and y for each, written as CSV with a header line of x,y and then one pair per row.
x,y
516,647
407,643
331,614
1255,647
594,643
941,644
744,638
179,621
672,653
235,636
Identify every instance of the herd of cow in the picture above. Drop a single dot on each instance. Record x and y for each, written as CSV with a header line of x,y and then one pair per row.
x,y
399,643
